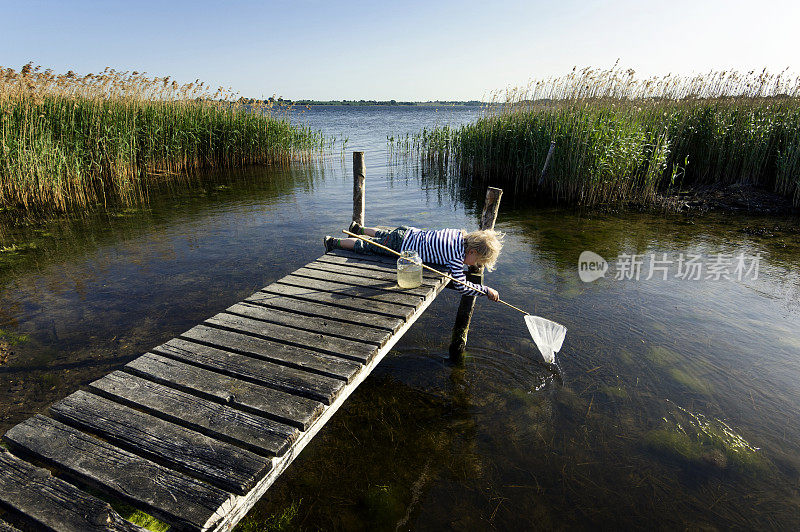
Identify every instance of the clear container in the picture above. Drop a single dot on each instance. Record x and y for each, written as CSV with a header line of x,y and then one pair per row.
x,y
409,270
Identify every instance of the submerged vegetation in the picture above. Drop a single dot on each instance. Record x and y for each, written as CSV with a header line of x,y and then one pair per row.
x,y
277,522
68,141
699,442
619,139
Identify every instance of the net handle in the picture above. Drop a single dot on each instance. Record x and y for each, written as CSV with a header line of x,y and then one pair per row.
x,y
434,270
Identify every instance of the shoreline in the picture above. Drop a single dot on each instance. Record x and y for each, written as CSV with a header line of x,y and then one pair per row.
x,y
733,199
746,200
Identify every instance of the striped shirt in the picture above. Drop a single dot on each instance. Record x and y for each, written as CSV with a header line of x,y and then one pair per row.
x,y
445,247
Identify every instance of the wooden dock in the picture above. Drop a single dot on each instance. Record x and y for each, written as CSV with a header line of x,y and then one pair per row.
x,y
195,431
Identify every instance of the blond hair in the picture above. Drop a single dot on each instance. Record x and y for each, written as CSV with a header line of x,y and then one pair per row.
x,y
487,243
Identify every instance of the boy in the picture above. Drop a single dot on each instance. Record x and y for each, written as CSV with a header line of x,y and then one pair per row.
x,y
450,247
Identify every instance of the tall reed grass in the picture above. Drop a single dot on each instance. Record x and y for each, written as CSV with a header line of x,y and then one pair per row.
x,y
68,141
620,139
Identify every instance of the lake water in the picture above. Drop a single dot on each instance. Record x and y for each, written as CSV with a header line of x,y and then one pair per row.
x,y
676,403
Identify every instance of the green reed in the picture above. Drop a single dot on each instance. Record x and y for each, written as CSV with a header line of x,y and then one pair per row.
x,y
68,142
619,139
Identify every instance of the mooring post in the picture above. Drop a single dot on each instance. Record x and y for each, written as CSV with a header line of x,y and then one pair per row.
x,y
358,187
458,343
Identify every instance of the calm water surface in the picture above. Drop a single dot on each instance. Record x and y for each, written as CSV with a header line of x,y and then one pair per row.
x,y
649,367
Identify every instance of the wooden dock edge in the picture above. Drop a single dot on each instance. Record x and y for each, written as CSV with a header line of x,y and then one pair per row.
x,y
243,503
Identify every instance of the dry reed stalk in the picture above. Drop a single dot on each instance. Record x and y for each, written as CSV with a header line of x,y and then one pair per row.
x,y
70,141
621,139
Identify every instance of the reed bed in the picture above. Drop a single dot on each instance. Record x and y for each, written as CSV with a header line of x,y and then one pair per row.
x,y
68,142
620,139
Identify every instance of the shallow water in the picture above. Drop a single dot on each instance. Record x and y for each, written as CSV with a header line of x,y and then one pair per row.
x,y
502,442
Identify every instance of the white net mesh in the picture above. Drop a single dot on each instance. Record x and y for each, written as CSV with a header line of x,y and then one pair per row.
x,y
548,336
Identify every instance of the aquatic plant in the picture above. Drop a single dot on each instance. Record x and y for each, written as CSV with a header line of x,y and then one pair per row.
x,y
279,521
12,338
146,521
622,139
69,141
699,441
384,505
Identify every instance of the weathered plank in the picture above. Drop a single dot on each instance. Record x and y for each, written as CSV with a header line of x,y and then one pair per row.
x,y
243,429
281,406
317,324
318,342
319,387
346,257
343,256
363,287
356,261
384,285
388,269
375,275
384,324
53,503
341,300
363,257
167,494
350,291
378,272
222,464
288,355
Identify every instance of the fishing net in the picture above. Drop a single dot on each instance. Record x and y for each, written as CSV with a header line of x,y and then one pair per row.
x,y
548,336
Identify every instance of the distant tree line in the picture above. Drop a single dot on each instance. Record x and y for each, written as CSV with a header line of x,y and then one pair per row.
x,y
285,102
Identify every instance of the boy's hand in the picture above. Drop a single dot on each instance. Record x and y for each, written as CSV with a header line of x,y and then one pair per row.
x,y
492,294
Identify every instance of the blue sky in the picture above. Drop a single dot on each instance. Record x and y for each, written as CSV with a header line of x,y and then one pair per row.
x,y
412,50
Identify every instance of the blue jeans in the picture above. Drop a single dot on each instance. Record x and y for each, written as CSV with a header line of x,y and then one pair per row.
x,y
391,239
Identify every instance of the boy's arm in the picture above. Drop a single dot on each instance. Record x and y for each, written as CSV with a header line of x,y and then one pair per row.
x,y
456,269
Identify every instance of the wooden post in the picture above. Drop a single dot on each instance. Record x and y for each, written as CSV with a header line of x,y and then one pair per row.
x,y
458,343
358,187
